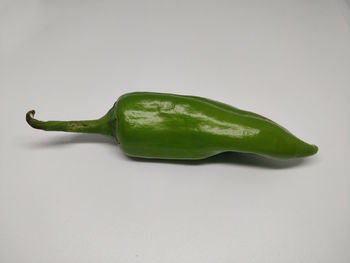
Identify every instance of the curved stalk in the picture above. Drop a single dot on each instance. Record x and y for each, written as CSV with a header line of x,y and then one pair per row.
x,y
100,126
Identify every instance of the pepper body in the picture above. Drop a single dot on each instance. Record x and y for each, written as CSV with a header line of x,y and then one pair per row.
x,y
170,126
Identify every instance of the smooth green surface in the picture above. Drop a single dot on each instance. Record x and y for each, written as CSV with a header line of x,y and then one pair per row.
x,y
170,126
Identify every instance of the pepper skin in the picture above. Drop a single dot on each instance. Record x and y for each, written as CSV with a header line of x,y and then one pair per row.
x,y
170,126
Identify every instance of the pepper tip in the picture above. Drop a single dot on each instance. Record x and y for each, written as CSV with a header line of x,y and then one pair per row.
x,y
314,149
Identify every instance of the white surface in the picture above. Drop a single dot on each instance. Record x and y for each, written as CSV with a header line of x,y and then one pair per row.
x,y
77,198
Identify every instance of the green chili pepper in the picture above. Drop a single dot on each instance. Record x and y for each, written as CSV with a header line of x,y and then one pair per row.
x,y
170,126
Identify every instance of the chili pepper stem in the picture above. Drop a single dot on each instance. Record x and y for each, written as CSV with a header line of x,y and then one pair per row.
x,y
99,126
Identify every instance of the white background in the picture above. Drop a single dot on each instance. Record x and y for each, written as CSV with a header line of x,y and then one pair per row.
x,y
78,198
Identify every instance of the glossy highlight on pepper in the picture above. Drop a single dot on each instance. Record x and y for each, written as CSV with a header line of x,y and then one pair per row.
x,y
171,126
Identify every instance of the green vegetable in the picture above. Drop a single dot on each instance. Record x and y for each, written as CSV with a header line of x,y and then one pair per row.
x,y
170,126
